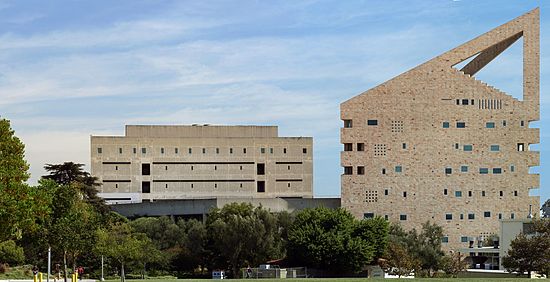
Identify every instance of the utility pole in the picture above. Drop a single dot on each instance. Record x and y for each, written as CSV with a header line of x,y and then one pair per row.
x,y
49,264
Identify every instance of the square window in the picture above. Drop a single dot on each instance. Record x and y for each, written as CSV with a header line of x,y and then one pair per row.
x,y
304,150
460,125
471,216
145,187
348,147
468,148
368,215
360,170
386,217
464,239
448,170
145,169
445,239
402,217
487,214
398,169
495,148
497,170
144,150
483,170
360,147
372,122
445,124
99,150
347,123
449,216
260,186
348,170
464,168
458,194
490,125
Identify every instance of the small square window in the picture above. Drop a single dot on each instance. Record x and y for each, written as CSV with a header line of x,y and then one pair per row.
x,y
372,122
460,125
497,170
458,194
360,147
262,150
465,101
386,217
449,216
368,215
144,150
99,150
348,170
468,148
347,123
448,170
445,124
490,125
487,214
464,168
471,216
398,169
402,217
445,239
483,170
495,148
348,147
304,150
464,239
360,170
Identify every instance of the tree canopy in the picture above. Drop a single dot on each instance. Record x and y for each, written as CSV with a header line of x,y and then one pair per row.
x,y
530,252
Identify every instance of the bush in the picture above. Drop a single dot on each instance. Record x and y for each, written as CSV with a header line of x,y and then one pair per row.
x,y
10,253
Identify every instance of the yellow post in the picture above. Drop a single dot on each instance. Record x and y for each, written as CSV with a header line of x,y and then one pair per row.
x,y
34,277
76,276
72,278
40,277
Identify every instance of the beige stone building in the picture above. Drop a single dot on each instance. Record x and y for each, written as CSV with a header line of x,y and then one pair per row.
x,y
435,143
197,162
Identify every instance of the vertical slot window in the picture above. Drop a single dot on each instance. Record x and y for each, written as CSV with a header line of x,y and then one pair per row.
x,y
146,187
260,186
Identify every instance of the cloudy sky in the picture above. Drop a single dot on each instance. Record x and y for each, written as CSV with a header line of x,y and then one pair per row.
x,y
69,69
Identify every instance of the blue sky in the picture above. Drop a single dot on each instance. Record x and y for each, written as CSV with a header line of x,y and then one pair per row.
x,y
69,69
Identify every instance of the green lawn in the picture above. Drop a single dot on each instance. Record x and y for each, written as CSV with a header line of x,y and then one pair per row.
x,y
348,279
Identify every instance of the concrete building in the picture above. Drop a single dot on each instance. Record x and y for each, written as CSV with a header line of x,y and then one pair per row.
x,y
179,162
435,143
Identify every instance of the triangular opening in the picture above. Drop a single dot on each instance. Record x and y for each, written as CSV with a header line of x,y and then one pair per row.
x,y
500,66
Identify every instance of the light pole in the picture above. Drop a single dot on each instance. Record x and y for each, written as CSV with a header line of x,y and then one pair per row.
x,y
49,263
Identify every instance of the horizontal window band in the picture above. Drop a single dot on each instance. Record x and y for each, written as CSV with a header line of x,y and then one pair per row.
x,y
116,162
115,180
204,180
165,163
118,199
289,180
288,162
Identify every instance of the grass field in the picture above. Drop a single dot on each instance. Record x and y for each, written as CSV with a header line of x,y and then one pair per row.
x,y
348,279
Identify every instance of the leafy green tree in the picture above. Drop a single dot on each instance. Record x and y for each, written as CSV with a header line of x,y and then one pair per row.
x,y
163,231
192,253
546,209
530,252
454,263
334,240
398,261
239,234
125,247
10,253
16,203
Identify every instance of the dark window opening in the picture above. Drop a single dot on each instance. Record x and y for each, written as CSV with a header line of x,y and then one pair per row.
x,y
304,150
271,150
383,171
260,186
116,167
348,147
405,194
445,191
145,187
176,150
190,151
204,150
465,101
521,147
260,169
284,150
99,150
360,147
402,217
372,122
522,123
448,170
135,150
386,192
501,193
482,193
360,170
288,167
347,123
120,150
445,124
244,150
471,216
515,193
449,216
144,150
217,150
368,215
460,125
162,150
487,214
231,150
288,185
469,193
262,150
348,170
404,145
215,167
166,167
145,169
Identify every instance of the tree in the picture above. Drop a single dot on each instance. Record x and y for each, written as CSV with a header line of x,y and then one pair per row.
x,y
546,209
10,253
16,203
239,234
69,173
454,263
398,261
334,240
530,252
120,244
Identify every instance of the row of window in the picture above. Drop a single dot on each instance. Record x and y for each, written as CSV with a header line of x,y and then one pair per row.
x,y
458,193
482,170
348,170
204,150
348,123
448,216
146,168
146,186
470,148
